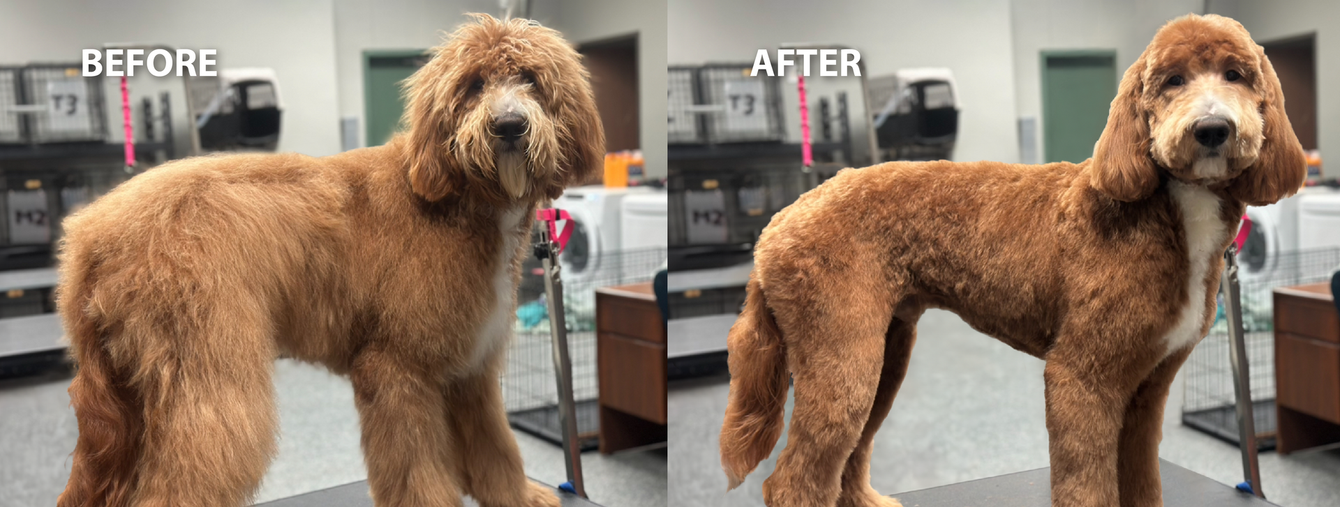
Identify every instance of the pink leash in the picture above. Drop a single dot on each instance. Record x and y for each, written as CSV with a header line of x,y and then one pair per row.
x,y
1243,230
551,216
125,114
806,154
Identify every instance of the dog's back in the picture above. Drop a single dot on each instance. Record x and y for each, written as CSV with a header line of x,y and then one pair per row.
x,y
168,282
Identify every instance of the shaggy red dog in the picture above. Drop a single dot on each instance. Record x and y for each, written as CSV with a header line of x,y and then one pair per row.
x,y
395,265
1106,269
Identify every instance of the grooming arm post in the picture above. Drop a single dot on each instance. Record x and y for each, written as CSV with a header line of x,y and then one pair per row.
x,y
548,251
1241,375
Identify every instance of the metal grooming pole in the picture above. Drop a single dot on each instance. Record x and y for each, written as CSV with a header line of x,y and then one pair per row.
x,y
1237,352
865,95
186,92
547,251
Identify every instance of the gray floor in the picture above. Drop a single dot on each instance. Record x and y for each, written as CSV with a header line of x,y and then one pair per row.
x,y
970,408
318,447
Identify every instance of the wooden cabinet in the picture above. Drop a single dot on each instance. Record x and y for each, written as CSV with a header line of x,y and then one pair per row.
x,y
1307,367
630,358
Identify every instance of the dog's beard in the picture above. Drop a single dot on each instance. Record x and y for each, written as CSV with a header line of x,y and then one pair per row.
x,y
511,166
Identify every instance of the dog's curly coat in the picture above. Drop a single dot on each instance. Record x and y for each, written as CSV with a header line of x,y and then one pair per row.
x,y
1107,269
396,265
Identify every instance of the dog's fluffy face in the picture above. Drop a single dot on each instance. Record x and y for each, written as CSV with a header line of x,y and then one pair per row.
x,y
1205,92
1203,105
503,111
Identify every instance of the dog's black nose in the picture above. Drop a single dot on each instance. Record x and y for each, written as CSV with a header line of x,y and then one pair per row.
x,y
1211,132
510,126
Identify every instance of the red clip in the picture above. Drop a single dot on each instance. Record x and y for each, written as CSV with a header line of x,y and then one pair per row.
x,y
552,216
1243,231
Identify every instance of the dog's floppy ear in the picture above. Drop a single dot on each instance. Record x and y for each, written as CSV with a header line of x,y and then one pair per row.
x,y
1281,165
434,172
1122,166
584,147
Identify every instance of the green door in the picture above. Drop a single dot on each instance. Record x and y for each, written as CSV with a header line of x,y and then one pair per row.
x,y
382,73
1077,89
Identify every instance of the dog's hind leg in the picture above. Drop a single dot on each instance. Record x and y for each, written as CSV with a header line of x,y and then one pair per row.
x,y
856,490
486,456
405,435
209,412
835,347
1138,452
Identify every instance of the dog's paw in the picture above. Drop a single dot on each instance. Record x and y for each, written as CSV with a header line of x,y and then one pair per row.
x,y
540,496
868,498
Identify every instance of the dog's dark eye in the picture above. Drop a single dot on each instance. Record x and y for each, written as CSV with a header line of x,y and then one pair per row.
x,y
477,85
1232,75
1175,81
528,78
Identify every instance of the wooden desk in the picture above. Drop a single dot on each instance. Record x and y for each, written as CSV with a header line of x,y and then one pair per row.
x,y
630,359
1307,367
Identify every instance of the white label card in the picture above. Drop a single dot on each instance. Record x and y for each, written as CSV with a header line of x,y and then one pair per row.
x,y
67,105
746,111
705,213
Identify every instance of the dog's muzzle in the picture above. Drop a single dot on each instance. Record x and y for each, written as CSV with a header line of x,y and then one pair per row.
x,y
1211,132
509,127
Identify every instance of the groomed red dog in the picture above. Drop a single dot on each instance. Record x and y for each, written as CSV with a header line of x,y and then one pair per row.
x,y
1106,269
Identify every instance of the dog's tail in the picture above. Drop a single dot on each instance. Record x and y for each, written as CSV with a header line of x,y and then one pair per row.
x,y
110,422
759,380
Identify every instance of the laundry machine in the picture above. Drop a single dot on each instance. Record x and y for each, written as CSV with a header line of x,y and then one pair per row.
x,y
644,221
1319,220
596,238
1273,234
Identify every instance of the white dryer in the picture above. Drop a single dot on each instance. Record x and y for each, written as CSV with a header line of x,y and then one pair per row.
x,y
596,237
644,221
1319,221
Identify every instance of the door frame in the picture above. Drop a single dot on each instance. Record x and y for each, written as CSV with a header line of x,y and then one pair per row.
x,y
368,55
1043,55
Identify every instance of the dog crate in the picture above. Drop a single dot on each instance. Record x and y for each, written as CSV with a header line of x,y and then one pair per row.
x,y
11,120
65,107
723,206
684,124
1208,403
740,107
530,394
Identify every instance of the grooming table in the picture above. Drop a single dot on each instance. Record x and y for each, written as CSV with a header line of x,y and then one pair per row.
x,y
356,495
1181,488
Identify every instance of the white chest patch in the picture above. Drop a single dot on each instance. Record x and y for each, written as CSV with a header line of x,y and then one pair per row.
x,y
1205,231
496,330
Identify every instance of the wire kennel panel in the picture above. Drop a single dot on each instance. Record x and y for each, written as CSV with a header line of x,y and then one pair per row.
x,y
72,106
530,394
1208,401
746,108
11,121
683,125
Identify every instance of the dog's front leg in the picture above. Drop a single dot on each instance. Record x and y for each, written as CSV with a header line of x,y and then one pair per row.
x,y
1084,415
405,436
1138,449
486,453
